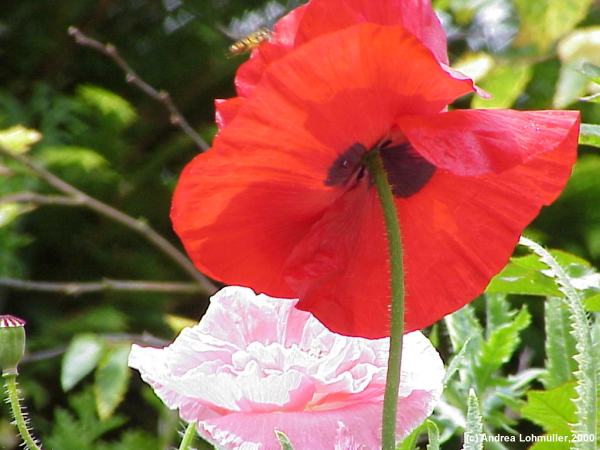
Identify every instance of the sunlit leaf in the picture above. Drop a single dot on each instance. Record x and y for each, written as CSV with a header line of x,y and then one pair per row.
x,y
524,276
592,304
589,134
178,323
433,434
111,380
410,441
283,440
505,83
18,139
475,65
543,22
581,45
553,410
578,51
108,103
591,71
456,363
9,212
499,347
80,359
571,85
68,156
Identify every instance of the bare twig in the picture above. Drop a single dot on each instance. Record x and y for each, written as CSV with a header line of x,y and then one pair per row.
x,y
140,339
39,199
137,225
88,287
132,77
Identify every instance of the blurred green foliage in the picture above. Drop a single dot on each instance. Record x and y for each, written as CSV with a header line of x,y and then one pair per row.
x,y
85,123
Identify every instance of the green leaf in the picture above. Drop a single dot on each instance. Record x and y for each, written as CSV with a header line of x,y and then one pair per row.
x,y
474,65
526,275
500,346
523,276
463,326
111,380
410,441
595,98
592,304
571,85
9,212
543,22
283,440
591,71
553,410
457,361
505,83
497,312
582,45
559,345
85,159
466,336
589,134
473,437
80,359
18,139
108,103
433,434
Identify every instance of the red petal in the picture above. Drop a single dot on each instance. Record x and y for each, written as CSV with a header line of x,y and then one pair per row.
x,y
340,271
240,218
226,110
416,16
457,233
460,231
475,142
324,16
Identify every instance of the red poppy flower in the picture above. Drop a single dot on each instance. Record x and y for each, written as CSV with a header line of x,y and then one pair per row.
x,y
283,203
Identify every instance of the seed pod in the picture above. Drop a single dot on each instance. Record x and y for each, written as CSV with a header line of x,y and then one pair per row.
x,y
12,343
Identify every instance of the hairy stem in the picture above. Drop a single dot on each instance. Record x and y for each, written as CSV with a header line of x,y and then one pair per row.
x,y
188,437
10,380
392,226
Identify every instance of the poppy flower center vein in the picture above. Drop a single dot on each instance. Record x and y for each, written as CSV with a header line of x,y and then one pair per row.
x,y
407,171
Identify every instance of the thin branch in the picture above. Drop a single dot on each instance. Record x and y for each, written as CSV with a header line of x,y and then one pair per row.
x,y
88,287
39,199
140,339
132,77
138,225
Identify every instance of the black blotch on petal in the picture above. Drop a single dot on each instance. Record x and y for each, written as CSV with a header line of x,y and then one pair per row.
x,y
408,172
345,165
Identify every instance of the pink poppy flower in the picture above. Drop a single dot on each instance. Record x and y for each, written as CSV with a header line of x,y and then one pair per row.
x,y
256,364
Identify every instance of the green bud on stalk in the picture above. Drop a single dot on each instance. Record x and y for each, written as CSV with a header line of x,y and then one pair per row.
x,y
12,343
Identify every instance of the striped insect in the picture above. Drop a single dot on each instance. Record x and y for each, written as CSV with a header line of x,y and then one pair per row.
x,y
249,42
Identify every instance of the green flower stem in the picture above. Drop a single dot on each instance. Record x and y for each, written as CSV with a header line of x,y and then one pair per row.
x,y
10,380
392,226
188,437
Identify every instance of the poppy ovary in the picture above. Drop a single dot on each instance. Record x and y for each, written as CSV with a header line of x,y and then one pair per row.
x,y
407,171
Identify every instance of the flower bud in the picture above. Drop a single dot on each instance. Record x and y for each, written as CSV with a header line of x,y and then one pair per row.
x,y
12,343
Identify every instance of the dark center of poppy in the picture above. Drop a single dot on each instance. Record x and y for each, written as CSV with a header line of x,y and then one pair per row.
x,y
407,171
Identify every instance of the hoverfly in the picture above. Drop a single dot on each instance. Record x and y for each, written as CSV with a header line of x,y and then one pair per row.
x,y
254,27
249,43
